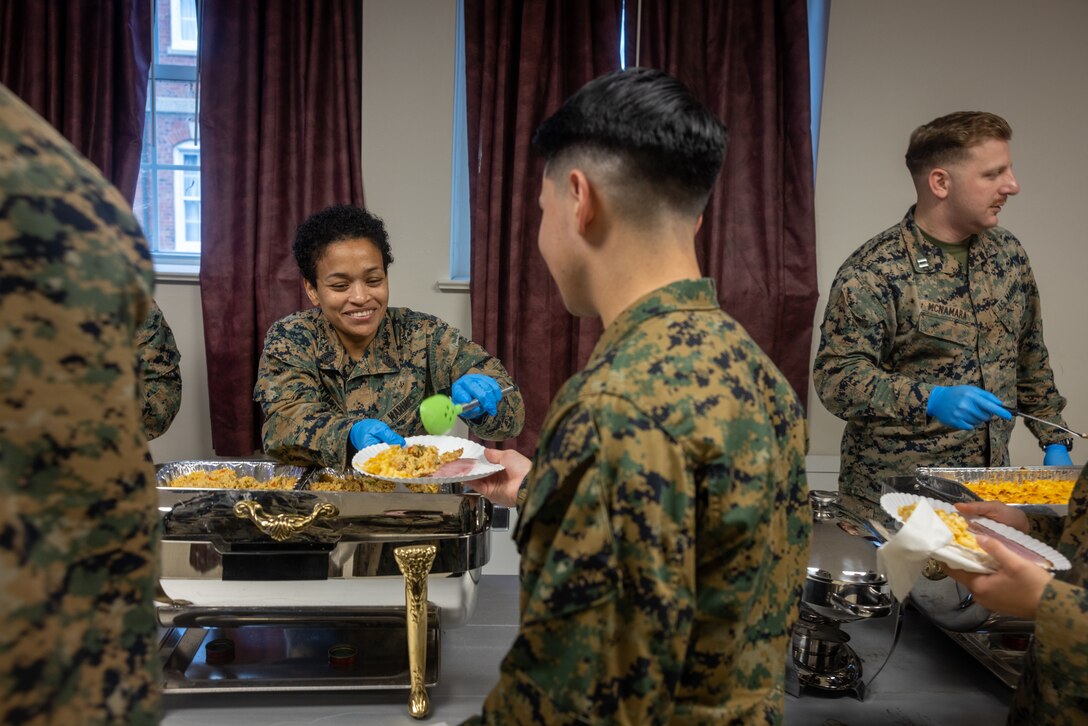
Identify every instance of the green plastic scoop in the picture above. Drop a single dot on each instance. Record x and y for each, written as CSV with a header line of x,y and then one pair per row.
x,y
439,413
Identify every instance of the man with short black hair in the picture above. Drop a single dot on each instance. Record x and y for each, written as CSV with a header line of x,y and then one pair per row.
x,y
664,522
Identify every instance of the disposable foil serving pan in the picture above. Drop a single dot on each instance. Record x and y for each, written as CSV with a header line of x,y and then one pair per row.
x,y
1009,475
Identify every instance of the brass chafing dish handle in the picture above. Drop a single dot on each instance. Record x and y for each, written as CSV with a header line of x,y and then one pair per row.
x,y
280,527
415,563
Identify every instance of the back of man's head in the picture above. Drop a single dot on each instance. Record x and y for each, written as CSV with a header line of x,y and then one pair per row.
x,y
642,138
948,139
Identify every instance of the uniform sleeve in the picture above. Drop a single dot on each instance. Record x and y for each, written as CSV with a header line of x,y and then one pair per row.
x,y
300,427
607,576
160,375
1061,639
1036,393
456,356
856,340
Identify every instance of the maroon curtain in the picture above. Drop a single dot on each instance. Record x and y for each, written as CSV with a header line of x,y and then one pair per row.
x,y
281,127
82,65
748,62
523,59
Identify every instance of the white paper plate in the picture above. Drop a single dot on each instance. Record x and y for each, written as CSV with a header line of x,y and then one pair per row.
x,y
958,555
471,451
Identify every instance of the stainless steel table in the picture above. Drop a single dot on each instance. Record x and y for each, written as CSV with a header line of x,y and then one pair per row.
x,y
928,681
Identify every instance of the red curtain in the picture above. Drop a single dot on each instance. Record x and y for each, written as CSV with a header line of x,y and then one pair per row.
x,y
748,62
523,59
83,66
281,129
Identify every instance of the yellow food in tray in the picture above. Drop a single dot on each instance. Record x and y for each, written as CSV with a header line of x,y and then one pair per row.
x,y
229,479
954,521
413,462
1029,491
350,483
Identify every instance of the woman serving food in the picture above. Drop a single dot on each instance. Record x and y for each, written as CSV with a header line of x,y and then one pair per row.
x,y
351,372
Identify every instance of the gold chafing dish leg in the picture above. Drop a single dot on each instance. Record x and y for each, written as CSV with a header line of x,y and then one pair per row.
x,y
415,563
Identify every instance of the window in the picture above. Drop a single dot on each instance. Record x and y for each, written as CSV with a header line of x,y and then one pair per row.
x,y
183,35
167,201
187,197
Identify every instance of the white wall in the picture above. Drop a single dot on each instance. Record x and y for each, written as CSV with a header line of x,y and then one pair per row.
x,y
890,67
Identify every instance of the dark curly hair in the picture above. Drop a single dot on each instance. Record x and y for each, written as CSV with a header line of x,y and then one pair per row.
x,y
336,224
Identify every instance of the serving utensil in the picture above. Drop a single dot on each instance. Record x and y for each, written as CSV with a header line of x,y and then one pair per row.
x,y
439,413
1021,414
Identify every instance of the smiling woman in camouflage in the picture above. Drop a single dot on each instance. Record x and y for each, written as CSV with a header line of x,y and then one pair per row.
x,y
351,372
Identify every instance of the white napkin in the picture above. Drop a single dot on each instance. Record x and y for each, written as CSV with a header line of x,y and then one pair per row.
x,y
901,557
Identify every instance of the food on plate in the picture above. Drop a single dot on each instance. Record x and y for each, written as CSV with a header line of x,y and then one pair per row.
x,y
412,462
954,521
1029,491
229,479
329,482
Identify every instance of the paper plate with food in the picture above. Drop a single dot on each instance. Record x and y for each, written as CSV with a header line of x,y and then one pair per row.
x,y
425,460
964,552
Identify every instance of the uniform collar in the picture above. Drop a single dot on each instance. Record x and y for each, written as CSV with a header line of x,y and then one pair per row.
x,y
698,294
926,257
383,355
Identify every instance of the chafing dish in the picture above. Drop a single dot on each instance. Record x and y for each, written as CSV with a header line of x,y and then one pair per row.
x,y
322,574
843,586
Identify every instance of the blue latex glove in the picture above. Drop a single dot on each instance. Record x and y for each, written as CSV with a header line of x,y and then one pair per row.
x,y
1057,455
474,386
964,407
371,431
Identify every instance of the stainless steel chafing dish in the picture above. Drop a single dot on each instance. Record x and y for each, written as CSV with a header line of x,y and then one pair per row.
x,y
323,570
996,640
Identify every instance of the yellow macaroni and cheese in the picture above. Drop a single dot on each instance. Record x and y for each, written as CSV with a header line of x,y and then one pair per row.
x,y
954,521
327,482
415,461
1029,491
229,479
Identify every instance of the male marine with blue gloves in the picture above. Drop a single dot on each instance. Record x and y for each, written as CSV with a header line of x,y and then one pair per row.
x,y
934,326
351,371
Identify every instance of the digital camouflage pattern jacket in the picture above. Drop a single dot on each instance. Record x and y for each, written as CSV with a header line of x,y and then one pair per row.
x,y
78,518
665,530
160,377
312,391
903,317
1053,689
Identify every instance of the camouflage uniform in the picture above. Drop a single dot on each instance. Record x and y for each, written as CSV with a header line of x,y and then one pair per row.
x,y
312,391
665,529
1054,687
902,318
160,377
78,523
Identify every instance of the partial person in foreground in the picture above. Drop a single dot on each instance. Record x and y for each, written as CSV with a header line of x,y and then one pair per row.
x,y
933,329
160,373
664,523
1053,688
351,371
78,518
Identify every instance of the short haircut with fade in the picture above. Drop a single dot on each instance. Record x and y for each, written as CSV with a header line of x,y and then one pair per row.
x,y
653,145
948,139
337,224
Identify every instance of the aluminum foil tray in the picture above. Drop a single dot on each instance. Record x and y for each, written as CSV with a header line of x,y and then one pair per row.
x,y
262,471
1009,474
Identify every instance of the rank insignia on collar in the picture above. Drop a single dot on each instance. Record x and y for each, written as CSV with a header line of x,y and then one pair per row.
x,y
923,263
